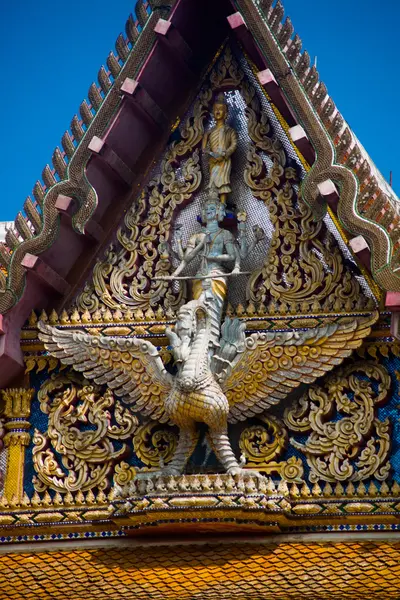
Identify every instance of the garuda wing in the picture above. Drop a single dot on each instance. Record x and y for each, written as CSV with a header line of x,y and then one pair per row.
x,y
274,363
131,367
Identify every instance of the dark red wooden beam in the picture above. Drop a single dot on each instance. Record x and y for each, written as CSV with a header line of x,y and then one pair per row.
x,y
301,141
361,250
46,274
239,27
141,100
112,160
66,206
271,86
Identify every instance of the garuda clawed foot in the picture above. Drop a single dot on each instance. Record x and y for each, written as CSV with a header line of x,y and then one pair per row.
x,y
166,472
239,471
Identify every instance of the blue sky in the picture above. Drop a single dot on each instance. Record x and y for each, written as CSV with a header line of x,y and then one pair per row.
x,y
51,52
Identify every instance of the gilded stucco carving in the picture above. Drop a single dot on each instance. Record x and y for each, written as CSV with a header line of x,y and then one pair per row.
x,y
360,207
219,375
304,269
196,498
125,279
17,410
354,446
155,445
211,372
77,451
262,446
124,473
133,299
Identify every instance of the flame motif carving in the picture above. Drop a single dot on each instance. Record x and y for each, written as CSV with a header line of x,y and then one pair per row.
x,y
355,446
262,446
125,279
304,269
87,454
155,444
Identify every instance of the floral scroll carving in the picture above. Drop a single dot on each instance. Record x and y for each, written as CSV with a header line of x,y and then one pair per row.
x,y
346,441
77,450
155,444
305,269
263,444
124,280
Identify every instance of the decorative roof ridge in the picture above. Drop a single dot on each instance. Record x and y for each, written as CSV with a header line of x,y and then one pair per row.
x,y
36,226
376,202
37,219
317,93
32,215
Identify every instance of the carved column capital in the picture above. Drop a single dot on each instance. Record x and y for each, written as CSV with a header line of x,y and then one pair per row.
x,y
17,402
17,411
15,435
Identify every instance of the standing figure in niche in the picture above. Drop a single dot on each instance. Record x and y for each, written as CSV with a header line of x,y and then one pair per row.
x,y
219,256
220,143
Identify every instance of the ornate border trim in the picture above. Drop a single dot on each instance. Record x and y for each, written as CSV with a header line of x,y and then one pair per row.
x,y
245,508
365,207
37,228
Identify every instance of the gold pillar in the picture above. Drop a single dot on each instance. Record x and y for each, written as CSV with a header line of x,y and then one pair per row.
x,y
17,411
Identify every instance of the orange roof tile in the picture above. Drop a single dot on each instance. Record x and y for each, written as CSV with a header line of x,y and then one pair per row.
x,y
357,570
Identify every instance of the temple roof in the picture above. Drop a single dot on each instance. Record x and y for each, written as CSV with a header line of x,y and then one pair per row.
x,y
144,88
268,569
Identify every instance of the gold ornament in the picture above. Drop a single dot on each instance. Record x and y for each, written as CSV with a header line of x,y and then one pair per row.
x,y
17,410
265,370
124,473
355,447
39,363
303,271
155,445
124,280
251,374
87,454
226,73
219,144
262,445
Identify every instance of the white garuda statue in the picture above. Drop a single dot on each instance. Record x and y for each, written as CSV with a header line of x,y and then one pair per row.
x,y
222,375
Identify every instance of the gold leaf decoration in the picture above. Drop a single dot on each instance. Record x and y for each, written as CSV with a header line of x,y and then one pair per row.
x,y
87,454
124,280
356,445
304,270
37,363
263,444
124,473
155,444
